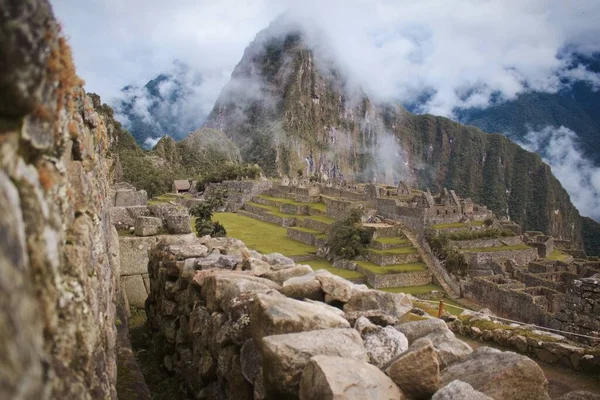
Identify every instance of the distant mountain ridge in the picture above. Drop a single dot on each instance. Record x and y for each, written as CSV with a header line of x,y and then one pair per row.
x,y
289,109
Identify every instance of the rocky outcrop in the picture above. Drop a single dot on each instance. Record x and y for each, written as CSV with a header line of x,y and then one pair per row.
x,y
234,335
59,261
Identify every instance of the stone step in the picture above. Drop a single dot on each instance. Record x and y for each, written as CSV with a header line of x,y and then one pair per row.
x,y
404,255
400,275
317,225
384,230
270,218
304,235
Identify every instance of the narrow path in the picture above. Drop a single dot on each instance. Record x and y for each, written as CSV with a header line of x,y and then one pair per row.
x,y
561,380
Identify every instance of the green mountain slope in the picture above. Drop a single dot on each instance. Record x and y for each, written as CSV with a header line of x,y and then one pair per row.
x,y
289,108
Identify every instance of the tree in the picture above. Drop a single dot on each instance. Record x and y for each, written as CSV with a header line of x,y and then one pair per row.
x,y
348,238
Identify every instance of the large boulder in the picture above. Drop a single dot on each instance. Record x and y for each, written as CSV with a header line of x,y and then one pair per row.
x,y
500,375
449,349
279,261
382,343
257,266
303,287
459,390
395,305
336,378
220,289
284,274
278,315
286,356
335,287
417,372
417,329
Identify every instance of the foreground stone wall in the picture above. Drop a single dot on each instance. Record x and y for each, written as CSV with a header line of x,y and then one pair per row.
x,y
236,324
58,251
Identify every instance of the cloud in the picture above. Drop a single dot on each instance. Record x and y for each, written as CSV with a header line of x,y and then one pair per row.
x,y
458,52
578,175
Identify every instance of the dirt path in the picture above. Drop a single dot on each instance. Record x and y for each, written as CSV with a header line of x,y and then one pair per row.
x,y
560,379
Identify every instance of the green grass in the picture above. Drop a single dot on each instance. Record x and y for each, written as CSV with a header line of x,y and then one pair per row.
x,y
317,264
391,269
321,218
557,255
392,240
456,225
496,248
414,290
316,206
264,206
400,250
307,230
262,236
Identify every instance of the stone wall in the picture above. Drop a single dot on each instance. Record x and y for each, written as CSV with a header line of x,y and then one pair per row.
x,y
239,192
415,278
59,260
491,242
482,260
337,209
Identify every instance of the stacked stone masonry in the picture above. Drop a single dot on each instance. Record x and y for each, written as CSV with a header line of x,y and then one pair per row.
x,y
237,324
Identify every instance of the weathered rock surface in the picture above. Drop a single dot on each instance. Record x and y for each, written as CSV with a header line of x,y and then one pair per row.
x,y
303,287
278,315
335,287
500,375
459,390
394,305
448,348
220,290
285,356
256,266
381,343
282,275
178,224
336,378
417,372
414,330
147,226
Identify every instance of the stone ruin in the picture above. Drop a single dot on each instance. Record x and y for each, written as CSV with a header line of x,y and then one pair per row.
x,y
234,323
141,225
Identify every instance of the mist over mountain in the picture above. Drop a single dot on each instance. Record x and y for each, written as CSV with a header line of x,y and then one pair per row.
x,y
171,104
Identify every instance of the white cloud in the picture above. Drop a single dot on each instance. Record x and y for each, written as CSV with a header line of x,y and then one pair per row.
x,y
461,51
578,175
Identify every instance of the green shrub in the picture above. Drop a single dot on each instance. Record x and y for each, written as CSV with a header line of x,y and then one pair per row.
x,y
204,213
348,238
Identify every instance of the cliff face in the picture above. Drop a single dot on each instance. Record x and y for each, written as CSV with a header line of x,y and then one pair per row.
x,y
58,252
290,109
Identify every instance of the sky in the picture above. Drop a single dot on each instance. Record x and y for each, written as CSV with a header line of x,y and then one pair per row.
x,y
460,53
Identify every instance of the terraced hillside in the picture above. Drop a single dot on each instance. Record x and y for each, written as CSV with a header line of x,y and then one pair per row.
x,y
296,224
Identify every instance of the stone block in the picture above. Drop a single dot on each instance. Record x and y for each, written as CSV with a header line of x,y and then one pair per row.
x,y
135,290
147,226
138,211
134,254
120,218
162,210
128,198
178,223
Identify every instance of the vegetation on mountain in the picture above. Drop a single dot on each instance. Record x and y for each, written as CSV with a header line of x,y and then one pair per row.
x,y
228,172
306,116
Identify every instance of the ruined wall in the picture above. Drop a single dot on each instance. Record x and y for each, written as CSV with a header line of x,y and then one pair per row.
x,y
239,192
58,251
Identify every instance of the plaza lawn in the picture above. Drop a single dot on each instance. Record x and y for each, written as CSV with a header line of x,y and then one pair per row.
x,y
392,240
557,255
319,263
262,236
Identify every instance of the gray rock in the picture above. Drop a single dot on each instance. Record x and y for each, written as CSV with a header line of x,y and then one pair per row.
x,y
459,390
326,306
580,395
303,287
147,226
256,266
128,198
251,360
278,315
381,343
286,356
178,223
416,329
448,348
221,289
135,290
337,288
162,210
417,372
500,375
120,218
336,378
395,305
285,274
279,261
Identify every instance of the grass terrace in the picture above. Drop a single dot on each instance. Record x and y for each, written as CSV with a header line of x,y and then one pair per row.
x,y
316,206
496,248
558,255
262,236
391,269
456,225
319,263
400,250
392,240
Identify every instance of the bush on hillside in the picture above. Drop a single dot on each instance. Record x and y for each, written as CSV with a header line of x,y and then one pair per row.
x,y
454,260
348,238
204,212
